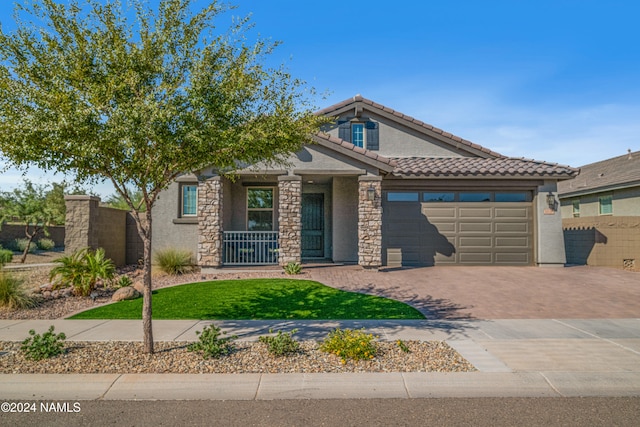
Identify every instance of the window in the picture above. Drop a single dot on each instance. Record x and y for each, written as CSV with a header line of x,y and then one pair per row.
x,y
438,197
511,197
576,208
475,197
606,205
402,197
259,209
189,200
357,134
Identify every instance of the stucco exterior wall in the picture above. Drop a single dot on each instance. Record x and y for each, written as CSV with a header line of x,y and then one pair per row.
x,y
400,141
549,238
345,219
170,231
625,202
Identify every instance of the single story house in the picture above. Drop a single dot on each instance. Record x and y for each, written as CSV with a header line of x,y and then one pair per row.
x,y
601,213
376,188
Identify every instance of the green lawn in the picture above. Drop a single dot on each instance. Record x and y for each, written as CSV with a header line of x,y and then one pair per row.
x,y
257,299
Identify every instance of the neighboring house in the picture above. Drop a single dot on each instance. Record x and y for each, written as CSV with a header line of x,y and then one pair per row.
x,y
601,213
376,188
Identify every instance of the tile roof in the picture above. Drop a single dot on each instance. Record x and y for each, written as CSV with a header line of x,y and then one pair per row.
x,y
453,139
615,172
477,167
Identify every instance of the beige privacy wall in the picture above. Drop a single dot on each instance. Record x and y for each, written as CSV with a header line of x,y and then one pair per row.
x,y
606,241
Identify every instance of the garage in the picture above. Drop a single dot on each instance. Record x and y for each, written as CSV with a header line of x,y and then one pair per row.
x,y
425,228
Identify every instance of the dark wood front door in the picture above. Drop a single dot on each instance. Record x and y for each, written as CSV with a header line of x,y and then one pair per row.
x,y
312,225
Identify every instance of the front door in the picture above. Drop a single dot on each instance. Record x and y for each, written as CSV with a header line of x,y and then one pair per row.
x,y
312,225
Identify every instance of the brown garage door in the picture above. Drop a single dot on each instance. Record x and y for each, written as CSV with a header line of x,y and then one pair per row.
x,y
456,232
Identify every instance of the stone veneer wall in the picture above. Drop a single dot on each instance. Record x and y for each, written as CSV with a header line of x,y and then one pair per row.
x,y
210,232
370,222
290,219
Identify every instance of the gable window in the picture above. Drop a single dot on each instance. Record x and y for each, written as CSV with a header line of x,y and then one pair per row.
x,y
606,205
189,198
260,209
357,134
575,206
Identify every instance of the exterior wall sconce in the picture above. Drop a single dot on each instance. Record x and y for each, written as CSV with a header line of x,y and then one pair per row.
x,y
551,201
371,194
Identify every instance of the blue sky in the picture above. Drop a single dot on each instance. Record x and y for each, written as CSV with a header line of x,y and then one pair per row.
x,y
554,80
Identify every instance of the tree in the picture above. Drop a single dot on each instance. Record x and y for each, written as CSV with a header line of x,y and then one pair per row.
x,y
28,206
118,201
90,93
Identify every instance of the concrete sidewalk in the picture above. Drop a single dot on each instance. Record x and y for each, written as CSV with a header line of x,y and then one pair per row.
x,y
519,358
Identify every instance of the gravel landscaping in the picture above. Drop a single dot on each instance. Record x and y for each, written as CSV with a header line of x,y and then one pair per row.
x,y
173,357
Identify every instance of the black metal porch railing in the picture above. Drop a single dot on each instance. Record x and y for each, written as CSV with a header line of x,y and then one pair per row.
x,y
250,247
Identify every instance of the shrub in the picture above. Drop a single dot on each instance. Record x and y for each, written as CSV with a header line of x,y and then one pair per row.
x,y
403,346
6,256
281,344
293,268
349,344
210,344
174,261
13,295
122,282
38,347
19,245
82,270
46,244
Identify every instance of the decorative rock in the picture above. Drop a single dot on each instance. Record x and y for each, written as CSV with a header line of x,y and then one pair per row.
x,y
126,293
46,294
139,286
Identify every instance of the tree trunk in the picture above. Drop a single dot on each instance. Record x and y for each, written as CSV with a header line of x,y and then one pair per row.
x,y
146,279
30,239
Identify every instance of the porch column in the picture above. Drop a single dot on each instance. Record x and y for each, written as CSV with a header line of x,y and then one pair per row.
x,y
370,221
290,219
210,222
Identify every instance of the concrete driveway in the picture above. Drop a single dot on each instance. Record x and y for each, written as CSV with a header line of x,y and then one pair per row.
x,y
457,293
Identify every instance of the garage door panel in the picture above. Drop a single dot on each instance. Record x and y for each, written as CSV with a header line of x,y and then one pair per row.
x,y
469,233
512,227
519,213
475,227
474,213
512,258
475,242
512,242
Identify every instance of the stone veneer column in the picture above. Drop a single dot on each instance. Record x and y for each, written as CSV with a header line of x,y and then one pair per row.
x,y
369,222
290,219
210,222
81,222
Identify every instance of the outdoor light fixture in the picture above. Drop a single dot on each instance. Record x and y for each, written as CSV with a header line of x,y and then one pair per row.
x,y
551,201
371,194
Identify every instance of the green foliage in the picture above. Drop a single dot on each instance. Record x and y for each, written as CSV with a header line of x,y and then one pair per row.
x,y
6,255
349,344
403,346
38,347
118,201
174,261
82,270
281,344
210,344
20,245
13,294
46,244
293,268
138,100
122,282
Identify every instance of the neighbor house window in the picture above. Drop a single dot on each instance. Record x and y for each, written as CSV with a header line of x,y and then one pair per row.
x,y
606,205
260,209
189,200
357,134
575,204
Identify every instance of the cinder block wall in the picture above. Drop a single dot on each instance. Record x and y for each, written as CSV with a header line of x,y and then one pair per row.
x,y
606,241
10,232
90,225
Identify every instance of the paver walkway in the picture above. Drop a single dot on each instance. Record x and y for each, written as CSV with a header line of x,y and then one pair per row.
x,y
458,293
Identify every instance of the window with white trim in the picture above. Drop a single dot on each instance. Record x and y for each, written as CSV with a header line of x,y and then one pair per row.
x,y
259,209
189,200
357,134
